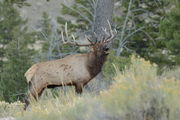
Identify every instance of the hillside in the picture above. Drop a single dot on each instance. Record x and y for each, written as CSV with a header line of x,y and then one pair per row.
x,y
34,12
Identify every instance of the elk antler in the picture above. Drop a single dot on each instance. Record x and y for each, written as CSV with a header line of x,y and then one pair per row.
x,y
74,41
111,35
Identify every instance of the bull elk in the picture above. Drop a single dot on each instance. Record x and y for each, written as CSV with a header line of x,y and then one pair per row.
x,y
73,70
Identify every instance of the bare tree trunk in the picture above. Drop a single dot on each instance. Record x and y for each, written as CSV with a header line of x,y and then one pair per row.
x,y
103,13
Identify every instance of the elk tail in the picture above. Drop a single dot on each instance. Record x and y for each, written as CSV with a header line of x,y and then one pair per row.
x,y
30,72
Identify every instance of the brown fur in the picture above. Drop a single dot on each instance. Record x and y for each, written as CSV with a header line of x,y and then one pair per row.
x,y
74,70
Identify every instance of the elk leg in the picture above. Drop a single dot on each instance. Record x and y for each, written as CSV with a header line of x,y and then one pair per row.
x,y
78,88
27,99
33,92
27,102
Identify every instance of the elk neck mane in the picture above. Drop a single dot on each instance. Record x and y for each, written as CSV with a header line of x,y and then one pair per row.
x,y
95,63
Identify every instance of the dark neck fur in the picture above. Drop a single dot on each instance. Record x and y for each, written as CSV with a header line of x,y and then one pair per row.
x,y
95,63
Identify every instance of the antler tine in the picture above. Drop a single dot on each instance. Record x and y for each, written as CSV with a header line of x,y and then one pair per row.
x,y
65,42
89,40
104,36
95,37
105,31
74,40
66,33
112,35
62,36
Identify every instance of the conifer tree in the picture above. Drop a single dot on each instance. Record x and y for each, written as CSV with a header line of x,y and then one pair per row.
x,y
16,52
170,33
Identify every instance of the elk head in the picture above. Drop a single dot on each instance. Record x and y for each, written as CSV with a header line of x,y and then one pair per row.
x,y
99,48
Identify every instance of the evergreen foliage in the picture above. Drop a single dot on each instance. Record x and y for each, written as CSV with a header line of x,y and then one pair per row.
x,y
170,33
113,61
154,41
16,54
146,41
45,32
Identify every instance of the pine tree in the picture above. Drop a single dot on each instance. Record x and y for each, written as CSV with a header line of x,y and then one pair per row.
x,y
16,55
146,42
46,31
170,33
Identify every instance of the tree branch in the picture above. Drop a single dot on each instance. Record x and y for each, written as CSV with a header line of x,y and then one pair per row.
x,y
123,29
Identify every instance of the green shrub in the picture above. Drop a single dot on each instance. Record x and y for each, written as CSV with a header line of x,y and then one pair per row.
x,y
140,94
112,62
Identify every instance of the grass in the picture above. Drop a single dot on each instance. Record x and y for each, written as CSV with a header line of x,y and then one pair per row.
x,y
137,93
10,109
